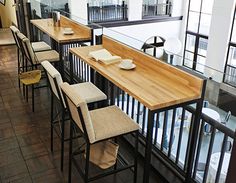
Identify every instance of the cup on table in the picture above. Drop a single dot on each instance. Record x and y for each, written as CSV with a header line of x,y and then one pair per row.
x,y
127,63
67,29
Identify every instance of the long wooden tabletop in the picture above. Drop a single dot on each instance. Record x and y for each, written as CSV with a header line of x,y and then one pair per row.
x,y
154,83
81,32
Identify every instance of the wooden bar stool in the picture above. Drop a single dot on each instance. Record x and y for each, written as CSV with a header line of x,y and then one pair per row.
x,y
90,93
97,126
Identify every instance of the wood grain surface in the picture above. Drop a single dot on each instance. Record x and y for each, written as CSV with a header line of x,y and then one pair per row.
x,y
81,32
154,83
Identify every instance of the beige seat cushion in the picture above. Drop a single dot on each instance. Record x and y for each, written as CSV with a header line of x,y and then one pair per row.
x,y
89,92
51,56
110,122
40,46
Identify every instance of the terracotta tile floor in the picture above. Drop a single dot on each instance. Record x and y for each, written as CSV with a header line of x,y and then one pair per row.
x,y
25,154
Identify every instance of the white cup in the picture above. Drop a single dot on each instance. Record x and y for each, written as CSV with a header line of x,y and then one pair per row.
x,y
127,63
67,29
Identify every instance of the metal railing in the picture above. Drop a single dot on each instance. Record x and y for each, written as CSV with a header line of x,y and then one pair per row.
x,y
106,13
230,75
157,9
172,131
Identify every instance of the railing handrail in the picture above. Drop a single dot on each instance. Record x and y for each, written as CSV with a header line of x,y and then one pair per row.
x,y
219,126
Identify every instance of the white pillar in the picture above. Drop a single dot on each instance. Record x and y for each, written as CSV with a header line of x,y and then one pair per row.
x,y
78,10
135,9
221,21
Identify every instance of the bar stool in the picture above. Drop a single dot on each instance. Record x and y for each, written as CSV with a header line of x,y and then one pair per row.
x,y
37,46
90,93
34,58
97,126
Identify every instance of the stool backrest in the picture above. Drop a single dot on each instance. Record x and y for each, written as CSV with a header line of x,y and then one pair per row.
x,y
29,50
15,31
79,111
54,79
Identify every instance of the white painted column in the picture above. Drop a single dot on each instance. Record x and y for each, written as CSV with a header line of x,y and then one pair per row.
x,y
221,21
135,9
78,10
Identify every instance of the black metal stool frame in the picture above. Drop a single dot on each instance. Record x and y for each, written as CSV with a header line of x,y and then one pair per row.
x,y
85,174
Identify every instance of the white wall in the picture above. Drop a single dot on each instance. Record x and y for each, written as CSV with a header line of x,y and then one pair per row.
x,y
8,13
78,10
135,9
222,14
138,34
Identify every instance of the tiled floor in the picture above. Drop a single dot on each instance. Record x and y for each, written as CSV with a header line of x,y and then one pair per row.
x,y
25,154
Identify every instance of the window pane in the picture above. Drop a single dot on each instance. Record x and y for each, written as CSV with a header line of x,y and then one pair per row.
x,y
232,56
188,59
200,63
190,42
195,5
193,21
205,24
233,39
202,48
207,6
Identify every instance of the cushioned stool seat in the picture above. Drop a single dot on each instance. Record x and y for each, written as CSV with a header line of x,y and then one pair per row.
x,y
50,55
89,92
114,120
30,77
40,46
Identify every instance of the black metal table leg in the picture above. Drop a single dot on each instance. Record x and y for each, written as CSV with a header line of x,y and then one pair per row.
x,y
148,150
71,67
61,66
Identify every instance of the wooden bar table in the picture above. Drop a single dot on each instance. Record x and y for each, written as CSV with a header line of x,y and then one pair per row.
x,y
155,84
81,34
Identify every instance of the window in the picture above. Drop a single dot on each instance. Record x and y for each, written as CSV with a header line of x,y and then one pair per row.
x,y
198,25
230,66
156,8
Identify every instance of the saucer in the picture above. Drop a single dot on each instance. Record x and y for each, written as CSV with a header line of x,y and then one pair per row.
x,y
127,68
68,32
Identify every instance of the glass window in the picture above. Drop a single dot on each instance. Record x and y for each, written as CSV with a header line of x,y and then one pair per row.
x,y
207,6
188,59
205,24
195,5
193,24
232,56
200,63
233,39
190,44
198,26
202,48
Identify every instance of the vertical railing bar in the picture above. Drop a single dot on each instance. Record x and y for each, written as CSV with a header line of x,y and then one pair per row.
x,y
198,149
144,119
172,131
127,104
223,149
157,126
133,105
164,129
138,112
180,136
118,97
209,155
123,98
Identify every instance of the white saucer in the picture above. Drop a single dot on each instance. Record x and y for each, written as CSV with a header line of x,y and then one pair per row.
x,y
68,32
127,68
